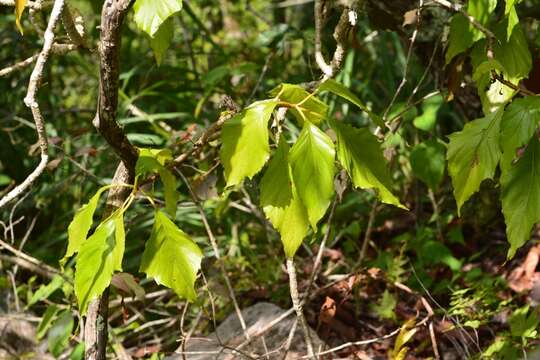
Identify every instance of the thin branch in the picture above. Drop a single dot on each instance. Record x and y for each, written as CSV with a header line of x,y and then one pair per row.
x,y
28,262
35,5
298,307
112,17
345,23
96,325
74,32
318,259
367,235
408,60
434,341
57,49
357,343
30,101
459,8
217,255
512,86
204,139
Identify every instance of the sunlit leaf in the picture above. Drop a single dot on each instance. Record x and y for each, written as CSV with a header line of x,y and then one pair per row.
x,y
276,185
153,161
523,323
360,154
99,257
150,14
473,155
245,146
292,222
311,108
171,257
512,60
81,224
462,33
481,10
312,164
162,40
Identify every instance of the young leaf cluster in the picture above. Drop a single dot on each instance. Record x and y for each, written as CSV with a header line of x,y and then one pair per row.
x,y
170,257
505,137
297,186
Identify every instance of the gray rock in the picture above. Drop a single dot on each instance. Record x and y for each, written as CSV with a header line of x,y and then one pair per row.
x,y
18,339
231,335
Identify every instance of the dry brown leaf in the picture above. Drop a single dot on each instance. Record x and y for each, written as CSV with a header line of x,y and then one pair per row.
x,y
410,17
328,310
523,277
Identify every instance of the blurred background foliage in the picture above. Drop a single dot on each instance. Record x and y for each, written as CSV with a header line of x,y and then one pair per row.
x,y
243,49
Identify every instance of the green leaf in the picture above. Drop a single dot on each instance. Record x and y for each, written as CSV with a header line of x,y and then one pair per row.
x,y
4,180
524,324
512,59
520,195
510,12
81,224
360,154
171,257
428,160
78,352
150,14
162,40
169,190
513,54
520,120
59,334
311,108
46,321
153,161
473,155
145,139
245,147
276,184
496,347
99,257
341,90
292,222
462,33
428,119
45,291
385,308
481,10
312,164
513,20
461,37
